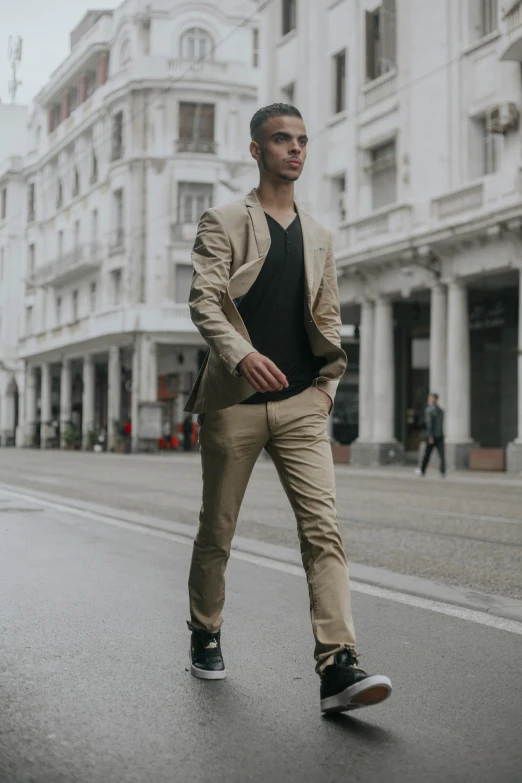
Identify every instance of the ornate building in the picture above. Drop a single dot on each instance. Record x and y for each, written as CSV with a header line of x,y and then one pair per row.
x,y
413,110
142,127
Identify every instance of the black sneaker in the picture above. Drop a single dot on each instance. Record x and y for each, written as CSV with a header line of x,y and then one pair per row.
x,y
205,654
345,686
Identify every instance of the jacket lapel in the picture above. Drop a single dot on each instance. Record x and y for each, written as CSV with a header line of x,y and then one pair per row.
x,y
309,254
246,274
257,216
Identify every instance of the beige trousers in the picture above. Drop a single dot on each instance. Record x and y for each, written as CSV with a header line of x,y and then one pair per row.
x,y
294,433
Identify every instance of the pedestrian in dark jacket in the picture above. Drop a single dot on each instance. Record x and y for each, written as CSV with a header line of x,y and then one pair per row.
x,y
187,433
434,417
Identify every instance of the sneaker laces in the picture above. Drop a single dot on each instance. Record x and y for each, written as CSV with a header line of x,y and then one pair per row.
x,y
351,660
211,646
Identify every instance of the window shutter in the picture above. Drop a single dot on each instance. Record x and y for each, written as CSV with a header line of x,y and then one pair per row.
x,y
370,54
389,36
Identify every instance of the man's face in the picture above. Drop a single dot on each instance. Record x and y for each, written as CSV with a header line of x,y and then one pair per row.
x,y
431,399
281,147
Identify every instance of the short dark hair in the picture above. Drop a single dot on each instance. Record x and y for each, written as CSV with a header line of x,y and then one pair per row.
x,y
434,394
274,110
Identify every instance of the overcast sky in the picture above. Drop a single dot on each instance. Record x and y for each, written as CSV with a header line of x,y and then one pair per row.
x,y
44,27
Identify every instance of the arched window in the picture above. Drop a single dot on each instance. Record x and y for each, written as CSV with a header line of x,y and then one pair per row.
x,y
125,52
195,44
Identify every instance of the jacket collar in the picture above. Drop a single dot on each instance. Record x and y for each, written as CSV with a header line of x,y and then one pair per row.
x,y
262,235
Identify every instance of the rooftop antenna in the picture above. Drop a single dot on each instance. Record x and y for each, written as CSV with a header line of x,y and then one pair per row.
x,y
15,58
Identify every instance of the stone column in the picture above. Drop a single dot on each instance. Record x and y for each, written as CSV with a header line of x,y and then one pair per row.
x,y
87,399
20,427
457,421
514,449
114,394
65,400
135,397
144,382
148,370
438,316
379,376
45,408
383,374
29,422
366,372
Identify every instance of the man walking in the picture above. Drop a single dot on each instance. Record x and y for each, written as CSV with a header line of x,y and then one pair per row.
x,y
434,417
264,297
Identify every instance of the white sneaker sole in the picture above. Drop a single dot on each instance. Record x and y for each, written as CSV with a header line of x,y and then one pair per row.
x,y
372,690
204,674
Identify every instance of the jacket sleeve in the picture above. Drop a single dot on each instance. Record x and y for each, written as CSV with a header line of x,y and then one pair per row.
x,y
211,259
327,314
327,311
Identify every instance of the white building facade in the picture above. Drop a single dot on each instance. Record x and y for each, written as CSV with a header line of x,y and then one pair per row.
x,y
413,112
13,126
140,129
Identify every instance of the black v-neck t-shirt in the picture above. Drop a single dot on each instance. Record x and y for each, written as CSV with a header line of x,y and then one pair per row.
x,y
273,311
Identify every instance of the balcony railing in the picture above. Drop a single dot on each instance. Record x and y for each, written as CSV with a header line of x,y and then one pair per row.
x,y
379,89
463,200
392,220
77,263
198,146
199,69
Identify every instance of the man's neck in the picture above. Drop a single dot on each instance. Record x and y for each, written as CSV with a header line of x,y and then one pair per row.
x,y
276,197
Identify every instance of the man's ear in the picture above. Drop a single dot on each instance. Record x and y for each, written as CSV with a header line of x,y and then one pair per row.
x,y
255,150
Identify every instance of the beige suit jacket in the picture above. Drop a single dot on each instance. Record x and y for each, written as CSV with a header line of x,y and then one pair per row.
x,y
231,245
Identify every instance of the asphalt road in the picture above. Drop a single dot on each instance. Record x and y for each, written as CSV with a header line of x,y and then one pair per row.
x,y
94,686
466,530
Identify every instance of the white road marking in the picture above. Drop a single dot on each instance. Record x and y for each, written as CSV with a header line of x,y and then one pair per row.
x,y
471,615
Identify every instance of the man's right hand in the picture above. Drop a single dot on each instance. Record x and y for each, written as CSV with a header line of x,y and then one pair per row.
x,y
262,373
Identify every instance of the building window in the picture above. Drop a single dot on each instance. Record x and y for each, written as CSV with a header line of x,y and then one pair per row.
x,y
116,287
58,310
196,44
75,305
288,93
193,199
76,183
31,260
381,40
483,18
118,207
125,52
339,62
91,84
73,99
196,127
289,15
117,136
485,148
59,194
383,175
76,235
94,226
92,297
28,320
255,47
3,206
339,198
94,169
30,203
60,244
